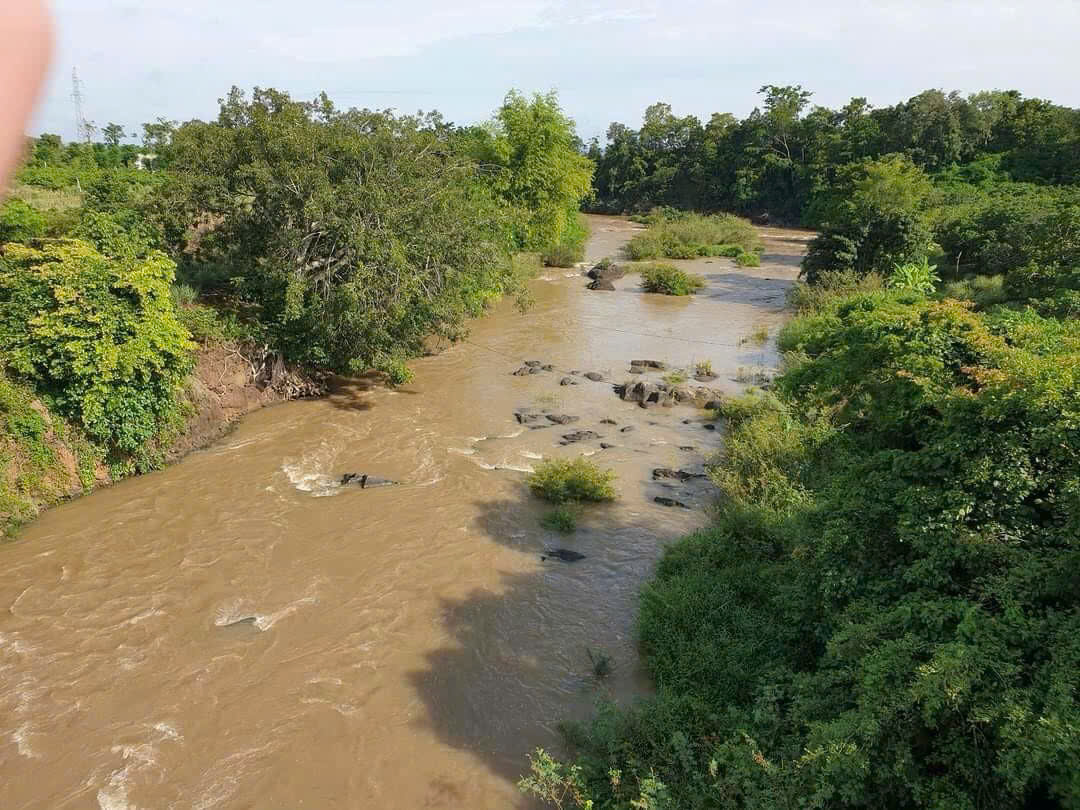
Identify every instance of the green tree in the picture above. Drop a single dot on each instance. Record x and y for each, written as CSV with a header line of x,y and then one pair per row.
x,y
113,134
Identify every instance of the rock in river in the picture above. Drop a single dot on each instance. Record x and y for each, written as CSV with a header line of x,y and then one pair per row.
x,y
524,418
568,381
601,284
670,502
580,436
594,376
365,481
562,418
654,364
662,473
602,273
564,554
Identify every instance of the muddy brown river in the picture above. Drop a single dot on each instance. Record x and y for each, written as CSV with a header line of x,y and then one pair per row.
x,y
237,631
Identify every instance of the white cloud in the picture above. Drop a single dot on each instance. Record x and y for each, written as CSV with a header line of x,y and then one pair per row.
x,y
609,58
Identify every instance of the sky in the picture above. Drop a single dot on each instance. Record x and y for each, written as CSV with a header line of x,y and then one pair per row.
x,y
608,59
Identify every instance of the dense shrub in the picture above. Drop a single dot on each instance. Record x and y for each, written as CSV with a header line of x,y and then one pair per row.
x,y
691,236
885,614
669,280
97,336
748,259
19,222
563,482
570,248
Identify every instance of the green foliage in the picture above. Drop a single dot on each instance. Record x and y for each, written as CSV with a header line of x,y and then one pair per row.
x,y
745,259
540,172
352,275
726,251
97,336
571,247
920,277
691,236
792,160
19,222
984,291
676,377
562,519
567,482
892,569
880,221
669,280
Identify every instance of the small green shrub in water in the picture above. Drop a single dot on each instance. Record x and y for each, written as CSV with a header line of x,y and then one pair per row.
x,y
748,259
676,377
669,280
562,519
563,482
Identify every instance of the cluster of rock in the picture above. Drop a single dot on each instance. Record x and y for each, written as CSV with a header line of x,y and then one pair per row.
x,y
533,367
651,394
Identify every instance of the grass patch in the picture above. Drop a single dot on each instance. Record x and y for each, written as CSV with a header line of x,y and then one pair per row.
x,y
694,235
758,337
748,259
45,199
985,291
703,368
669,280
676,377
564,482
563,519
806,298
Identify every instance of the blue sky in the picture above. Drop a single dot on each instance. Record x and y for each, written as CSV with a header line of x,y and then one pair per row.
x,y
608,59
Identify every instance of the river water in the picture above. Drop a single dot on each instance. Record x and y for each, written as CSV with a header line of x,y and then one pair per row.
x,y
236,631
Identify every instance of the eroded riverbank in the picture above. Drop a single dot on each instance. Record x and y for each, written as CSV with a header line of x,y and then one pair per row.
x,y
407,646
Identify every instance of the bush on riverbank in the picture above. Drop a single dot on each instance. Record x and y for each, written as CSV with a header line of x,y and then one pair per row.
x,y
571,246
668,279
569,482
884,613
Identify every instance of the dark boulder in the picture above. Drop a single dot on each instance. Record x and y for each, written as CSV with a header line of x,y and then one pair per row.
x,y
580,436
365,481
626,429
709,426
714,405
524,418
562,418
524,371
601,284
568,381
564,554
686,447
667,474
594,376
607,273
532,363
654,364
547,367
605,446
608,422
660,499
637,370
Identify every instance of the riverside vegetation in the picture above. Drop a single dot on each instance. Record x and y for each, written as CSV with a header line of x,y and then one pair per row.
x,y
885,612
334,240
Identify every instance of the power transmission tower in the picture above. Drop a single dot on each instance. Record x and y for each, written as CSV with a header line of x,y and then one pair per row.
x,y
86,129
